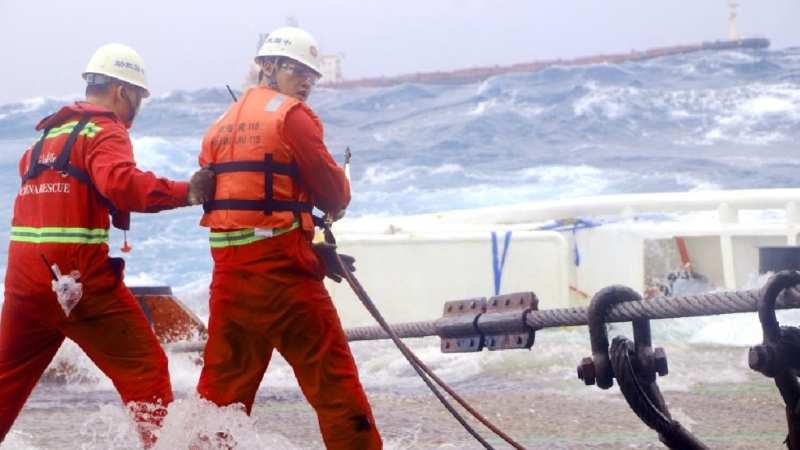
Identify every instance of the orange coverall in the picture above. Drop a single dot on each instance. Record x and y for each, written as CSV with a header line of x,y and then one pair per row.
x,y
267,291
65,220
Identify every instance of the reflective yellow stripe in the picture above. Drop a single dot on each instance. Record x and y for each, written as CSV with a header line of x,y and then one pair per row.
x,y
90,130
275,103
219,239
59,235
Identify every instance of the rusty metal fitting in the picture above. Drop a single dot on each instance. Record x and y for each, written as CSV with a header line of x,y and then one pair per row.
x,y
503,323
458,326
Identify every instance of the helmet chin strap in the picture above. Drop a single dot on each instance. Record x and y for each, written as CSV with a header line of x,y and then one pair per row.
x,y
272,78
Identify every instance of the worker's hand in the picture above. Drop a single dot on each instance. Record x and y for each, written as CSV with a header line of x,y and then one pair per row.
x,y
201,187
336,215
328,254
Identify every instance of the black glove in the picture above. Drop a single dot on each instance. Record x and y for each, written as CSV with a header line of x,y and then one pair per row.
x,y
327,252
201,187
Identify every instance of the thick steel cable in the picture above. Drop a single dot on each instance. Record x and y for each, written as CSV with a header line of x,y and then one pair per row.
x,y
651,409
713,303
646,401
403,330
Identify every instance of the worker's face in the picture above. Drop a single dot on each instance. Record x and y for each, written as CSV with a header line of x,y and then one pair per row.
x,y
295,79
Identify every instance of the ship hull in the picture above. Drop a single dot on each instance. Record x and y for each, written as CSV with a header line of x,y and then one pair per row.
x,y
477,74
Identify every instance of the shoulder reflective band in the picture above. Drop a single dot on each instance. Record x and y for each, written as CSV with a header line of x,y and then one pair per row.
x,y
59,235
89,130
275,103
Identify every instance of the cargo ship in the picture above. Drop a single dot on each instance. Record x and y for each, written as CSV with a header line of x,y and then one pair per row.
x,y
332,77
476,74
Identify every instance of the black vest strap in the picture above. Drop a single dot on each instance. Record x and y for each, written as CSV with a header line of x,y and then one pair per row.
x,y
269,167
62,161
35,167
62,164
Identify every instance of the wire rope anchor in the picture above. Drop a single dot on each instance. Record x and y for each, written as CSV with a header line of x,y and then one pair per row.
x,y
635,365
596,369
777,356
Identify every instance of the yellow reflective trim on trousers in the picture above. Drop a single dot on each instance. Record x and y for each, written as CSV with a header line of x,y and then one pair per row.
x,y
59,235
89,130
219,239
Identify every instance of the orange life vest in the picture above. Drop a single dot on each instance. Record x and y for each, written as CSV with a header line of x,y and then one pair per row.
x,y
257,181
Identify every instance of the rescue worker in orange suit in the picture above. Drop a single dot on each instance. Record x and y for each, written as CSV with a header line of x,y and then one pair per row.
x,y
76,179
267,291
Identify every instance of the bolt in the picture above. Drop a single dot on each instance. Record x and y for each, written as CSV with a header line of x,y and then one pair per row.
x,y
660,362
586,371
758,357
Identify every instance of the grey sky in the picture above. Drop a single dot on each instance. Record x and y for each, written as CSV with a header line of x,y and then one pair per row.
x,y
44,45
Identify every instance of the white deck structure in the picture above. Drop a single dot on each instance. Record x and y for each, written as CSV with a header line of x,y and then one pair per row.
x,y
563,250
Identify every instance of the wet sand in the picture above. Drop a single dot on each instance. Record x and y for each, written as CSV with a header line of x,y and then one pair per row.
x,y
533,396
536,398
729,417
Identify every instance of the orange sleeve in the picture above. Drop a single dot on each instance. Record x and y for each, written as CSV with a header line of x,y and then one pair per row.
x,y
113,170
319,173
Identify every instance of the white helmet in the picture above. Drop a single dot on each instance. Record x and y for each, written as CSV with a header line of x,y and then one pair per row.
x,y
119,62
292,43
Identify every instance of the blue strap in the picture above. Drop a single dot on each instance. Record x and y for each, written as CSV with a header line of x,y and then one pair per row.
x,y
497,265
574,225
564,225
